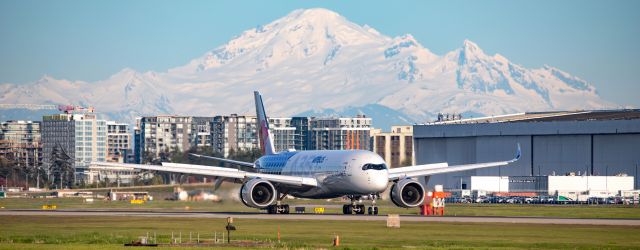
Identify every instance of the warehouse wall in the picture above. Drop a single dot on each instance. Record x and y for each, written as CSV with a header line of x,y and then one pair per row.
x,y
621,153
560,154
467,150
561,148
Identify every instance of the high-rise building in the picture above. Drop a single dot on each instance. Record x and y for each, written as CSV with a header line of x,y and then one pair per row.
x,y
234,133
118,142
302,136
163,134
82,137
20,142
396,147
283,133
340,133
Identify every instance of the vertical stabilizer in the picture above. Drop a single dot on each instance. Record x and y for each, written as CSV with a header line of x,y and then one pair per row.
x,y
266,140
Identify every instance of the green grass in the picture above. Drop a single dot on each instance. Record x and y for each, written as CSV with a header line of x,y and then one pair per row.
x,y
75,232
228,205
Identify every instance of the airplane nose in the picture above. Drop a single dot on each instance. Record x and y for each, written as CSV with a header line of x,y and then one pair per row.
x,y
379,180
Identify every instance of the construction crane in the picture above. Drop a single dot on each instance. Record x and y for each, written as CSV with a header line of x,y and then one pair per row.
x,y
29,106
70,108
64,108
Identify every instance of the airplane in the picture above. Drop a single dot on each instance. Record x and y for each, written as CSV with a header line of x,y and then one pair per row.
x,y
315,174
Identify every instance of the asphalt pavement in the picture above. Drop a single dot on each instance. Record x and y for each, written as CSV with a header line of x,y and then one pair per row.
x,y
337,217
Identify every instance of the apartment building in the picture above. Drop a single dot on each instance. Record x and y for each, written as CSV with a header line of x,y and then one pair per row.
x,y
118,142
163,134
396,147
341,133
20,142
234,133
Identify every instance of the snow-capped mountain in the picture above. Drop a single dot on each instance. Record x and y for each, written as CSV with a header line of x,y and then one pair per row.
x,y
315,61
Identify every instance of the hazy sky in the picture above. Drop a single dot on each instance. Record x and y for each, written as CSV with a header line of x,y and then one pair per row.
x,y
90,40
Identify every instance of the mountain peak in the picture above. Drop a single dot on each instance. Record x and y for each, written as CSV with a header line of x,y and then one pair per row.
x,y
470,52
471,48
314,13
304,33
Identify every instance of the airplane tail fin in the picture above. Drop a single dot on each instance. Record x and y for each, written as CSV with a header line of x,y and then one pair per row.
x,y
266,140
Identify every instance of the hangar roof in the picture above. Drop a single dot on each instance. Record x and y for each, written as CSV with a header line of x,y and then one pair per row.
x,y
580,115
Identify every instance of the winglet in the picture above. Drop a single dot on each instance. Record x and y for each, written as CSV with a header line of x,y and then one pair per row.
x,y
518,154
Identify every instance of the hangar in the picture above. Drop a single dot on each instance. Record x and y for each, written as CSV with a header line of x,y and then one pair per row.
x,y
600,143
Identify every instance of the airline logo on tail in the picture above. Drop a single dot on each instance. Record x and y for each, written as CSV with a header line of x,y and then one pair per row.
x,y
266,141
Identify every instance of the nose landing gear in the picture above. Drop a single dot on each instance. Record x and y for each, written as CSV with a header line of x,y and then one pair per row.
x,y
373,209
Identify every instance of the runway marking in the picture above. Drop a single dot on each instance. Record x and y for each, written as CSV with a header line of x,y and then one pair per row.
x,y
415,218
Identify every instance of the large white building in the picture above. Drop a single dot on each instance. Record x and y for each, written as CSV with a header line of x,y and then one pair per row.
x,y
575,187
83,137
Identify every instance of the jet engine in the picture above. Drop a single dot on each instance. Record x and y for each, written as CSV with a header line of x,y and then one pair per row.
x,y
258,193
407,193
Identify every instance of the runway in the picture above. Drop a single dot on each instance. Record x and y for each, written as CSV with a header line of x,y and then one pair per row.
x,y
337,217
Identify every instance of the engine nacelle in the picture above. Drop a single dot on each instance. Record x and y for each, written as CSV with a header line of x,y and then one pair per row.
x,y
407,193
258,193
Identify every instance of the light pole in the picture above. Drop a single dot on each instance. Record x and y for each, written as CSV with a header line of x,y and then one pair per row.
x,y
636,176
606,178
538,170
499,179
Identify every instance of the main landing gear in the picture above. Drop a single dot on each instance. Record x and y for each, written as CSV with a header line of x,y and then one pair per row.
x,y
279,208
355,208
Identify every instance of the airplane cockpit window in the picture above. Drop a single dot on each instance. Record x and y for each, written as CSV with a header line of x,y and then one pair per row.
x,y
374,166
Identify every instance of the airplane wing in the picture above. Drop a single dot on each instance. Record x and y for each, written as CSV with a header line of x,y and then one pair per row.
x,y
241,163
209,171
441,168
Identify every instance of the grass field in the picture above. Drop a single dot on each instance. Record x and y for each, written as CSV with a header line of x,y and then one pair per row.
x,y
561,211
70,232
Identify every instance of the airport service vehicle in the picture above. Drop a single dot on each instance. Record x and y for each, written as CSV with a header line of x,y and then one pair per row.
x,y
315,174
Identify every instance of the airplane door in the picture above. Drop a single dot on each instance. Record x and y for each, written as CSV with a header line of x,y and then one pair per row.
x,y
350,166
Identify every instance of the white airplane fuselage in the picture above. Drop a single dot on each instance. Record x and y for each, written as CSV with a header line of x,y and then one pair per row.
x,y
338,172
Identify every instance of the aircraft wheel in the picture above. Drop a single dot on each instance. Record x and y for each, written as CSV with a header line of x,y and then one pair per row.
x,y
347,209
272,209
375,210
370,210
285,209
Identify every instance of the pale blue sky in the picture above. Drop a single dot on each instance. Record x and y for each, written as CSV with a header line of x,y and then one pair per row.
x,y
90,40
